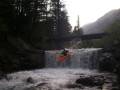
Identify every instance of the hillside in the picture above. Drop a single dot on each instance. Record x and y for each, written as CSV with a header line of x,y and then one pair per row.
x,y
102,23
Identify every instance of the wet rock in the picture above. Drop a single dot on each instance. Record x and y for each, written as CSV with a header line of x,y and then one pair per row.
x,y
74,86
85,81
90,81
41,84
30,80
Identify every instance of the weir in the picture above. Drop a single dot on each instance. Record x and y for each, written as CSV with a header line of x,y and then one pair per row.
x,y
79,58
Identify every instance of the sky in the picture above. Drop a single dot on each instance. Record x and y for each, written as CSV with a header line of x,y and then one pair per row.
x,y
89,10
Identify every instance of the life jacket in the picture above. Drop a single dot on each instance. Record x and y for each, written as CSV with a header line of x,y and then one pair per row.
x,y
63,56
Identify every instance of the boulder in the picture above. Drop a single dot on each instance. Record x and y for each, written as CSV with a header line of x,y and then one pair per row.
x,y
30,80
74,86
90,81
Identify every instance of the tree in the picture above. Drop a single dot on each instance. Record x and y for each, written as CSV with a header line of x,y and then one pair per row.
x,y
64,25
27,25
59,15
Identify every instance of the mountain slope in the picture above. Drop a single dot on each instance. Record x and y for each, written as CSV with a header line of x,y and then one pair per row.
x,y
102,23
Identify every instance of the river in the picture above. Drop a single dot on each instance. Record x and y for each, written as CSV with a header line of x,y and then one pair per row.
x,y
80,72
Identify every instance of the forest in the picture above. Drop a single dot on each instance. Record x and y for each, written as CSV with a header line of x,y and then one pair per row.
x,y
27,27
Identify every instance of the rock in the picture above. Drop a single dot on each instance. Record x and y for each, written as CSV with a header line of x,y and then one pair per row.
x,y
30,80
41,84
74,86
87,81
90,81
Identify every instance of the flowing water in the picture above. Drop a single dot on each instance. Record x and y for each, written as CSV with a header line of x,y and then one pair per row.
x,y
79,58
56,79
80,66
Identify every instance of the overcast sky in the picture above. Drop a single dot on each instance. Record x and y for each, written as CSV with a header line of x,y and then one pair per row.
x,y
89,10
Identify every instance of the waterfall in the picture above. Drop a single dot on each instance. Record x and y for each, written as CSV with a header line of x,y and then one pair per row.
x,y
79,58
